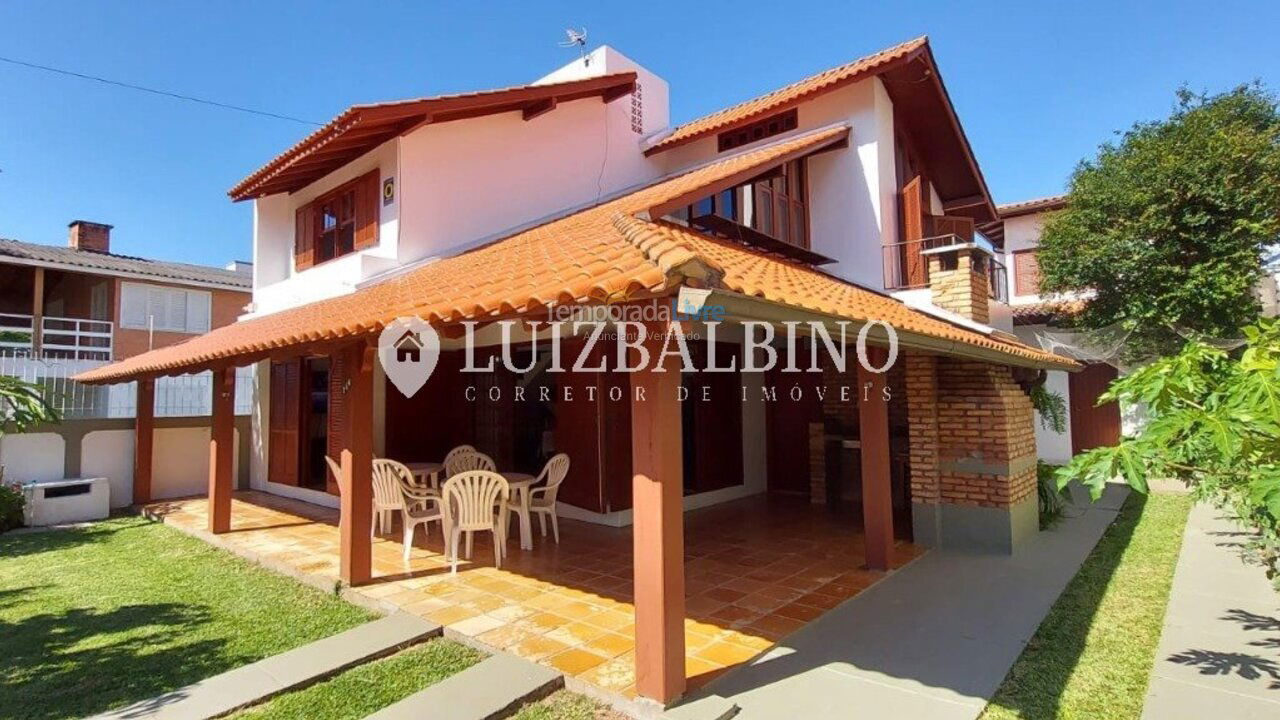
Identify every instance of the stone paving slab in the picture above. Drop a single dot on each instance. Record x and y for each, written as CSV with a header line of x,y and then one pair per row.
x,y
933,640
489,689
271,676
1219,652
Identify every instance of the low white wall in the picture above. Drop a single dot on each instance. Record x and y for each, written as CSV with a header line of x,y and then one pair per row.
x,y
109,454
33,457
180,462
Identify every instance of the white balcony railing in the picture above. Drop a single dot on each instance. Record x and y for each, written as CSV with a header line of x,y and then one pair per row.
x,y
61,337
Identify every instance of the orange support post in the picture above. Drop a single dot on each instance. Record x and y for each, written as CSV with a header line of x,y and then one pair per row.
x,y
221,454
877,494
144,434
658,524
355,524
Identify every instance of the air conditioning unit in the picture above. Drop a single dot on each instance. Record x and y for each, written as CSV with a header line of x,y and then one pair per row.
x,y
58,502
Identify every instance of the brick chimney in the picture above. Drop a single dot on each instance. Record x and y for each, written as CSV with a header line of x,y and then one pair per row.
x,y
958,280
87,235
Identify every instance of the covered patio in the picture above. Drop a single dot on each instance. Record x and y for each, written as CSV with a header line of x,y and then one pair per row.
x,y
755,571
679,595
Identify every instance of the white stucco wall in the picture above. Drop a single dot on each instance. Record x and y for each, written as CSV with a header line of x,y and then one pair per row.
x,y
32,457
109,454
853,192
180,462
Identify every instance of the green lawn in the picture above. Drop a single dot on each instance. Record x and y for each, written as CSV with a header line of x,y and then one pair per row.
x,y
565,705
123,610
1093,653
368,688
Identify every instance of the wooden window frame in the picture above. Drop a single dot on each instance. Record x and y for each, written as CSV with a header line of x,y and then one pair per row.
x,y
1019,281
776,124
787,186
356,205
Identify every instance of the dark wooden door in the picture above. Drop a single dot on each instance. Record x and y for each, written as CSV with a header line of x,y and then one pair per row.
x,y
914,200
284,452
787,424
1092,425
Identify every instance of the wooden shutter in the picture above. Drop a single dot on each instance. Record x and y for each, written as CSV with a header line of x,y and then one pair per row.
x,y
953,225
1026,273
283,450
368,200
339,430
914,271
304,239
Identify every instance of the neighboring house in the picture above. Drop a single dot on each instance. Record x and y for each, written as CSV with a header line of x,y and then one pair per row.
x,y
1088,425
84,303
65,310
852,195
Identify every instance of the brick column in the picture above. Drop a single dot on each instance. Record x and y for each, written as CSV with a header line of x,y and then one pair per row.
x,y
987,456
958,282
922,427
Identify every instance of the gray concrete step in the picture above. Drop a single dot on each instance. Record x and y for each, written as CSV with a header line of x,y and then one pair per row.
x,y
291,670
490,689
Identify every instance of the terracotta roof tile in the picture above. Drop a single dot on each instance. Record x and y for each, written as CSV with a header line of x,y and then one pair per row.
x,y
782,98
1026,207
590,255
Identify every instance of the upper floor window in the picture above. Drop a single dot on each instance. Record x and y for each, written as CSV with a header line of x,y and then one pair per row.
x,y
758,130
1026,273
770,212
156,307
773,204
337,223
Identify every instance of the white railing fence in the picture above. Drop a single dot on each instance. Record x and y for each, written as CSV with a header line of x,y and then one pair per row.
x,y
60,337
177,396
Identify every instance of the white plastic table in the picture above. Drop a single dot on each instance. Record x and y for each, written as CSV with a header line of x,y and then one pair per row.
x,y
521,484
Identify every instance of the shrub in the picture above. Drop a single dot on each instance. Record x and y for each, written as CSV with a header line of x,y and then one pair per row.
x,y
1213,423
11,502
1052,498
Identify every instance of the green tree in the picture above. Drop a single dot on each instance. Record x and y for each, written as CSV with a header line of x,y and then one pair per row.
x,y
1213,422
1168,224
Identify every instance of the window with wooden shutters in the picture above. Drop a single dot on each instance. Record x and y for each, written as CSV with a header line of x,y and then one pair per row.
x,y
774,205
914,272
338,223
1026,273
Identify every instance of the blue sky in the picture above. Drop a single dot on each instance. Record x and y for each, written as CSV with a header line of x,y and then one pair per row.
x,y
1037,86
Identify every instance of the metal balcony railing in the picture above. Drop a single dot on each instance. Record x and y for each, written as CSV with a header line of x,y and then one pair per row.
x,y
906,267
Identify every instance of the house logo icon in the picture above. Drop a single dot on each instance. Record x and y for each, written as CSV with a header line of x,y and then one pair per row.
x,y
408,350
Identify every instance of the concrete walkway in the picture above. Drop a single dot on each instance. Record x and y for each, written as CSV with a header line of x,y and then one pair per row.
x,y
1219,654
491,689
933,640
294,669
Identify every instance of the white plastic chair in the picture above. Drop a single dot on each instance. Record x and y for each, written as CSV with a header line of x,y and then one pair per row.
x,y
423,506
336,471
470,498
389,479
542,498
468,459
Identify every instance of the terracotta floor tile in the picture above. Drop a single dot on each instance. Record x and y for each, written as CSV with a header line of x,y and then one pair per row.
x,y
575,661
755,570
611,644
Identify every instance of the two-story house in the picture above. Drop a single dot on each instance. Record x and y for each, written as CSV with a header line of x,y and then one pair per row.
x,y
850,197
83,303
